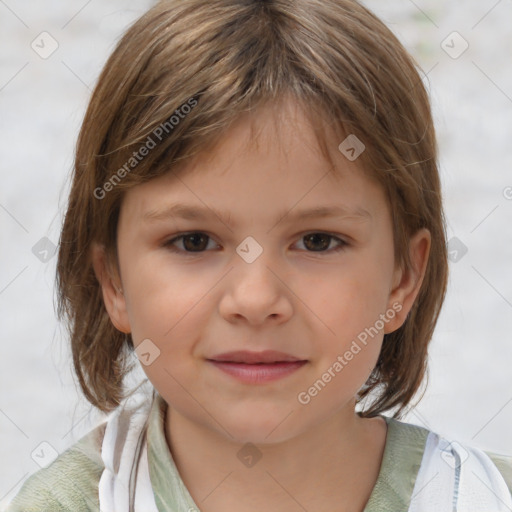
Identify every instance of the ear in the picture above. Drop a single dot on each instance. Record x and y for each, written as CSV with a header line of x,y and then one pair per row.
x,y
113,297
407,282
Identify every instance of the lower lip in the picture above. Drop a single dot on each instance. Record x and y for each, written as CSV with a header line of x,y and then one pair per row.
x,y
258,373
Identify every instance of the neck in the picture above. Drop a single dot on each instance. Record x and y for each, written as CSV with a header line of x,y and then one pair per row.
x,y
338,459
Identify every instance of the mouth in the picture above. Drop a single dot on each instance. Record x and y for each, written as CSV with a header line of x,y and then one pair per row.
x,y
247,357
257,367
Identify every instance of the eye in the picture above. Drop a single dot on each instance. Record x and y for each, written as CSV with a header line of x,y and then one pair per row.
x,y
317,242
197,242
192,242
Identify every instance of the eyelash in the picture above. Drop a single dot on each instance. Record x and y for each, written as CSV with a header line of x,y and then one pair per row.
x,y
169,246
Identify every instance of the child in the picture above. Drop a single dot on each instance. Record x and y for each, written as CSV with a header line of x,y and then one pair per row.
x,y
258,128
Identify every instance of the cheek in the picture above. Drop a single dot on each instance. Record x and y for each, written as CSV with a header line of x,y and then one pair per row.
x,y
161,299
166,309
353,296
350,304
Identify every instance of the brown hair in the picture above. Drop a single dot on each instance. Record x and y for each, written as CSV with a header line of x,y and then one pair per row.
x,y
344,67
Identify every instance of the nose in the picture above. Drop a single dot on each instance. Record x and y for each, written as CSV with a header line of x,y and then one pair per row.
x,y
256,292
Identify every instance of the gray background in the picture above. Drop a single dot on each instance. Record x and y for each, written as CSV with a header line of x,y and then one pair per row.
x,y
42,102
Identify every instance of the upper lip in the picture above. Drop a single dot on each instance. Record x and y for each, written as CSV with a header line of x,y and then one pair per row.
x,y
244,356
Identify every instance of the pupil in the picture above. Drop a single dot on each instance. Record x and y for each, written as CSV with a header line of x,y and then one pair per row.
x,y
314,237
195,238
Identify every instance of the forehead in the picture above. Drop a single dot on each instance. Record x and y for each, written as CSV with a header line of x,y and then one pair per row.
x,y
269,160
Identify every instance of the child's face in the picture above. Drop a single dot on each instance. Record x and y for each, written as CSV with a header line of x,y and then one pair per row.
x,y
299,296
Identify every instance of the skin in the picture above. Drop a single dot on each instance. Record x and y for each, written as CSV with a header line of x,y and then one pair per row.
x,y
308,303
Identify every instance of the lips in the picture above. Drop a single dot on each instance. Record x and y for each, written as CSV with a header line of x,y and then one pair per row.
x,y
256,367
247,357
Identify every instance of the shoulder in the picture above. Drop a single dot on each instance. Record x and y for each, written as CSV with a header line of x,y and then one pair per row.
x,y
504,465
70,482
412,438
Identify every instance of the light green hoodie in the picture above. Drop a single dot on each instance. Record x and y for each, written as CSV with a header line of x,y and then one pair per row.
x,y
70,483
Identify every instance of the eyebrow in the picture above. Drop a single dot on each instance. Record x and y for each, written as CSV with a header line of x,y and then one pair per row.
x,y
190,212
